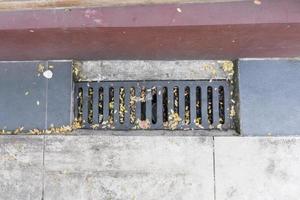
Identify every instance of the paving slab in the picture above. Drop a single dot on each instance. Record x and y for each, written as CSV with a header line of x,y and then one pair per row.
x,y
31,99
21,167
269,97
23,95
59,96
261,168
131,167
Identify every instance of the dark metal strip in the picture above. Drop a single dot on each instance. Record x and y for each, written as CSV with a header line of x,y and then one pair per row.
x,y
95,104
85,107
149,104
192,106
127,107
227,108
76,105
105,105
170,100
159,108
182,105
138,103
204,107
215,105
116,106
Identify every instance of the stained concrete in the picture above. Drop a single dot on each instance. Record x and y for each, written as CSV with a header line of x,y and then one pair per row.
x,y
21,167
261,168
151,70
112,167
117,167
149,133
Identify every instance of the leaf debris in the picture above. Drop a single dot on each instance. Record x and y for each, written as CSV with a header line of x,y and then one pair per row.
x,y
52,130
228,68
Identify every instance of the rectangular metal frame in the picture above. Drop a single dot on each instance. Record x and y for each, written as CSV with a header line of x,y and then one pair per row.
x,y
159,85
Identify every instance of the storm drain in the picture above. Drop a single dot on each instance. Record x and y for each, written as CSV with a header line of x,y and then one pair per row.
x,y
125,105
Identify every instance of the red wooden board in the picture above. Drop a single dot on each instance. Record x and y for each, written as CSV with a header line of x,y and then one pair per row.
x,y
181,31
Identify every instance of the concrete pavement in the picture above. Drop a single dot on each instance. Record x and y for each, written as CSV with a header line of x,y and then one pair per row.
x,y
101,166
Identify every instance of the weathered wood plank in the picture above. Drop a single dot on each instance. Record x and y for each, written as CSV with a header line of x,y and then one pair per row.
x,y
186,31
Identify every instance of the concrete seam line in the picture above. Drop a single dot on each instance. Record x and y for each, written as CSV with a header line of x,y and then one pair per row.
x,y
43,174
214,167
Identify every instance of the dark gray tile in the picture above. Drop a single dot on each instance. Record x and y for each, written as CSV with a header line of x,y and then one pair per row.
x,y
29,99
269,96
22,95
59,111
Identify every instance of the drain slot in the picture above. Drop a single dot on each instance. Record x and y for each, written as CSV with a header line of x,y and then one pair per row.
x,y
153,104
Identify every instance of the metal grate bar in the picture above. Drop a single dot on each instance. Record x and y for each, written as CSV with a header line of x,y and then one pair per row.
x,y
215,106
127,107
204,106
227,121
159,108
105,106
116,107
170,101
138,103
148,104
192,106
76,102
181,105
95,105
85,108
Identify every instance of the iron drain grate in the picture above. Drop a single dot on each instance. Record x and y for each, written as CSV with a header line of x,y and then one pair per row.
x,y
125,105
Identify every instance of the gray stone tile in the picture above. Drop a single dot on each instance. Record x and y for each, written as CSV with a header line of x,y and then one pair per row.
x,y
59,110
261,168
23,95
269,96
116,167
21,167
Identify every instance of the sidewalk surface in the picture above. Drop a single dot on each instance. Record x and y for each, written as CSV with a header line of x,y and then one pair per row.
x,y
142,167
